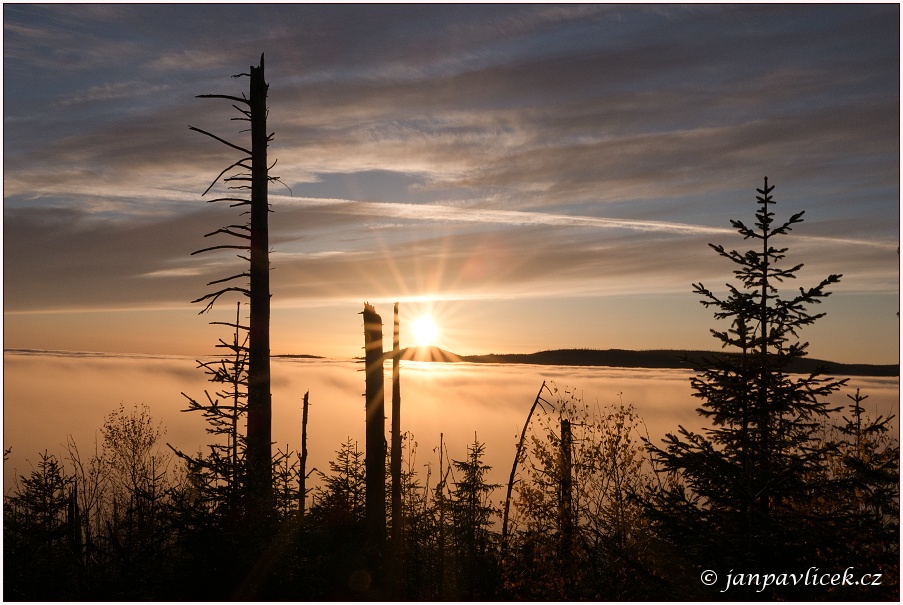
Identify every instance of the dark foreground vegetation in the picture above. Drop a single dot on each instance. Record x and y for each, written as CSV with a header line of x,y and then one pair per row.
x,y
593,516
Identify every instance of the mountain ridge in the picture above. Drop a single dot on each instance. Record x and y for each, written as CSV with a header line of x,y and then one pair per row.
x,y
625,358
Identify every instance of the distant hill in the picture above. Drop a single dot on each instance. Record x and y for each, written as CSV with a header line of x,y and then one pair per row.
x,y
621,358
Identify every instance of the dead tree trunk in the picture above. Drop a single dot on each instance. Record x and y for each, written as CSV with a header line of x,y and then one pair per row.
x,y
260,453
395,462
566,518
73,518
302,476
375,461
441,505
251,173
517,454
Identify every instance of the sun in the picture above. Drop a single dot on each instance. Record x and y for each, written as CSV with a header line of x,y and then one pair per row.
x,y
424,330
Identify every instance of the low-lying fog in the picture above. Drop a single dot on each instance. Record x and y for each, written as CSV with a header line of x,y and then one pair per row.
x,y
50,395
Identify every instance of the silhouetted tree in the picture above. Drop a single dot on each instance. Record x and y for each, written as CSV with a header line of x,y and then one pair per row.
x,y
858,506
286,481
578,530
421,530
337,522
251,174
102,531
517,458
91,484
741,481
37,556
375,442
476,547
302,459
135,464
140,484
341,498
220,475
395,461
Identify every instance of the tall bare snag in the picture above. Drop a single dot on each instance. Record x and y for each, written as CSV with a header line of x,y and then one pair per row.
x,y
250,174
375,462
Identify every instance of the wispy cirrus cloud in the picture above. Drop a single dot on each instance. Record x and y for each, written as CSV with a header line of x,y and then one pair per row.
x,y
111,92
433,213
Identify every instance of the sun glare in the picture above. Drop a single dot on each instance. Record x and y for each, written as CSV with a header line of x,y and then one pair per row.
x,y
424,330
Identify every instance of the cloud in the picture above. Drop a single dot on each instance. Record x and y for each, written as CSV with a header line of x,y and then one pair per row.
x,y
111,92
327,249
433,213
496,254
62,258
508,123
487,151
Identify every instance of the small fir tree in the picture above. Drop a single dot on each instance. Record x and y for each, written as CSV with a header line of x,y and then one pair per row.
x,y
861,505
341,498
736,501
36,548
472,517
220,475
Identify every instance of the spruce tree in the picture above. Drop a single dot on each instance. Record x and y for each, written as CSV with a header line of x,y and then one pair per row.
x,y
341,497
861,505
472,514
37,557
736,501
219,476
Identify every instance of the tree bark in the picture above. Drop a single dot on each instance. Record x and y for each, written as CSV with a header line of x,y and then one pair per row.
x,y
565,512
259,438
395,462
302,488
375,462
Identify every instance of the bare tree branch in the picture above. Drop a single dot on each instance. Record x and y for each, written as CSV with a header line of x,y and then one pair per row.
x,y
223,141
230,97
231,325
225,345
228,232
225,279
213,296
229,199
242,227
224,246
220,293
279,180
238,163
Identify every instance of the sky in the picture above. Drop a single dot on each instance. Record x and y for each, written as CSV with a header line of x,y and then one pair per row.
x,y
533,176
